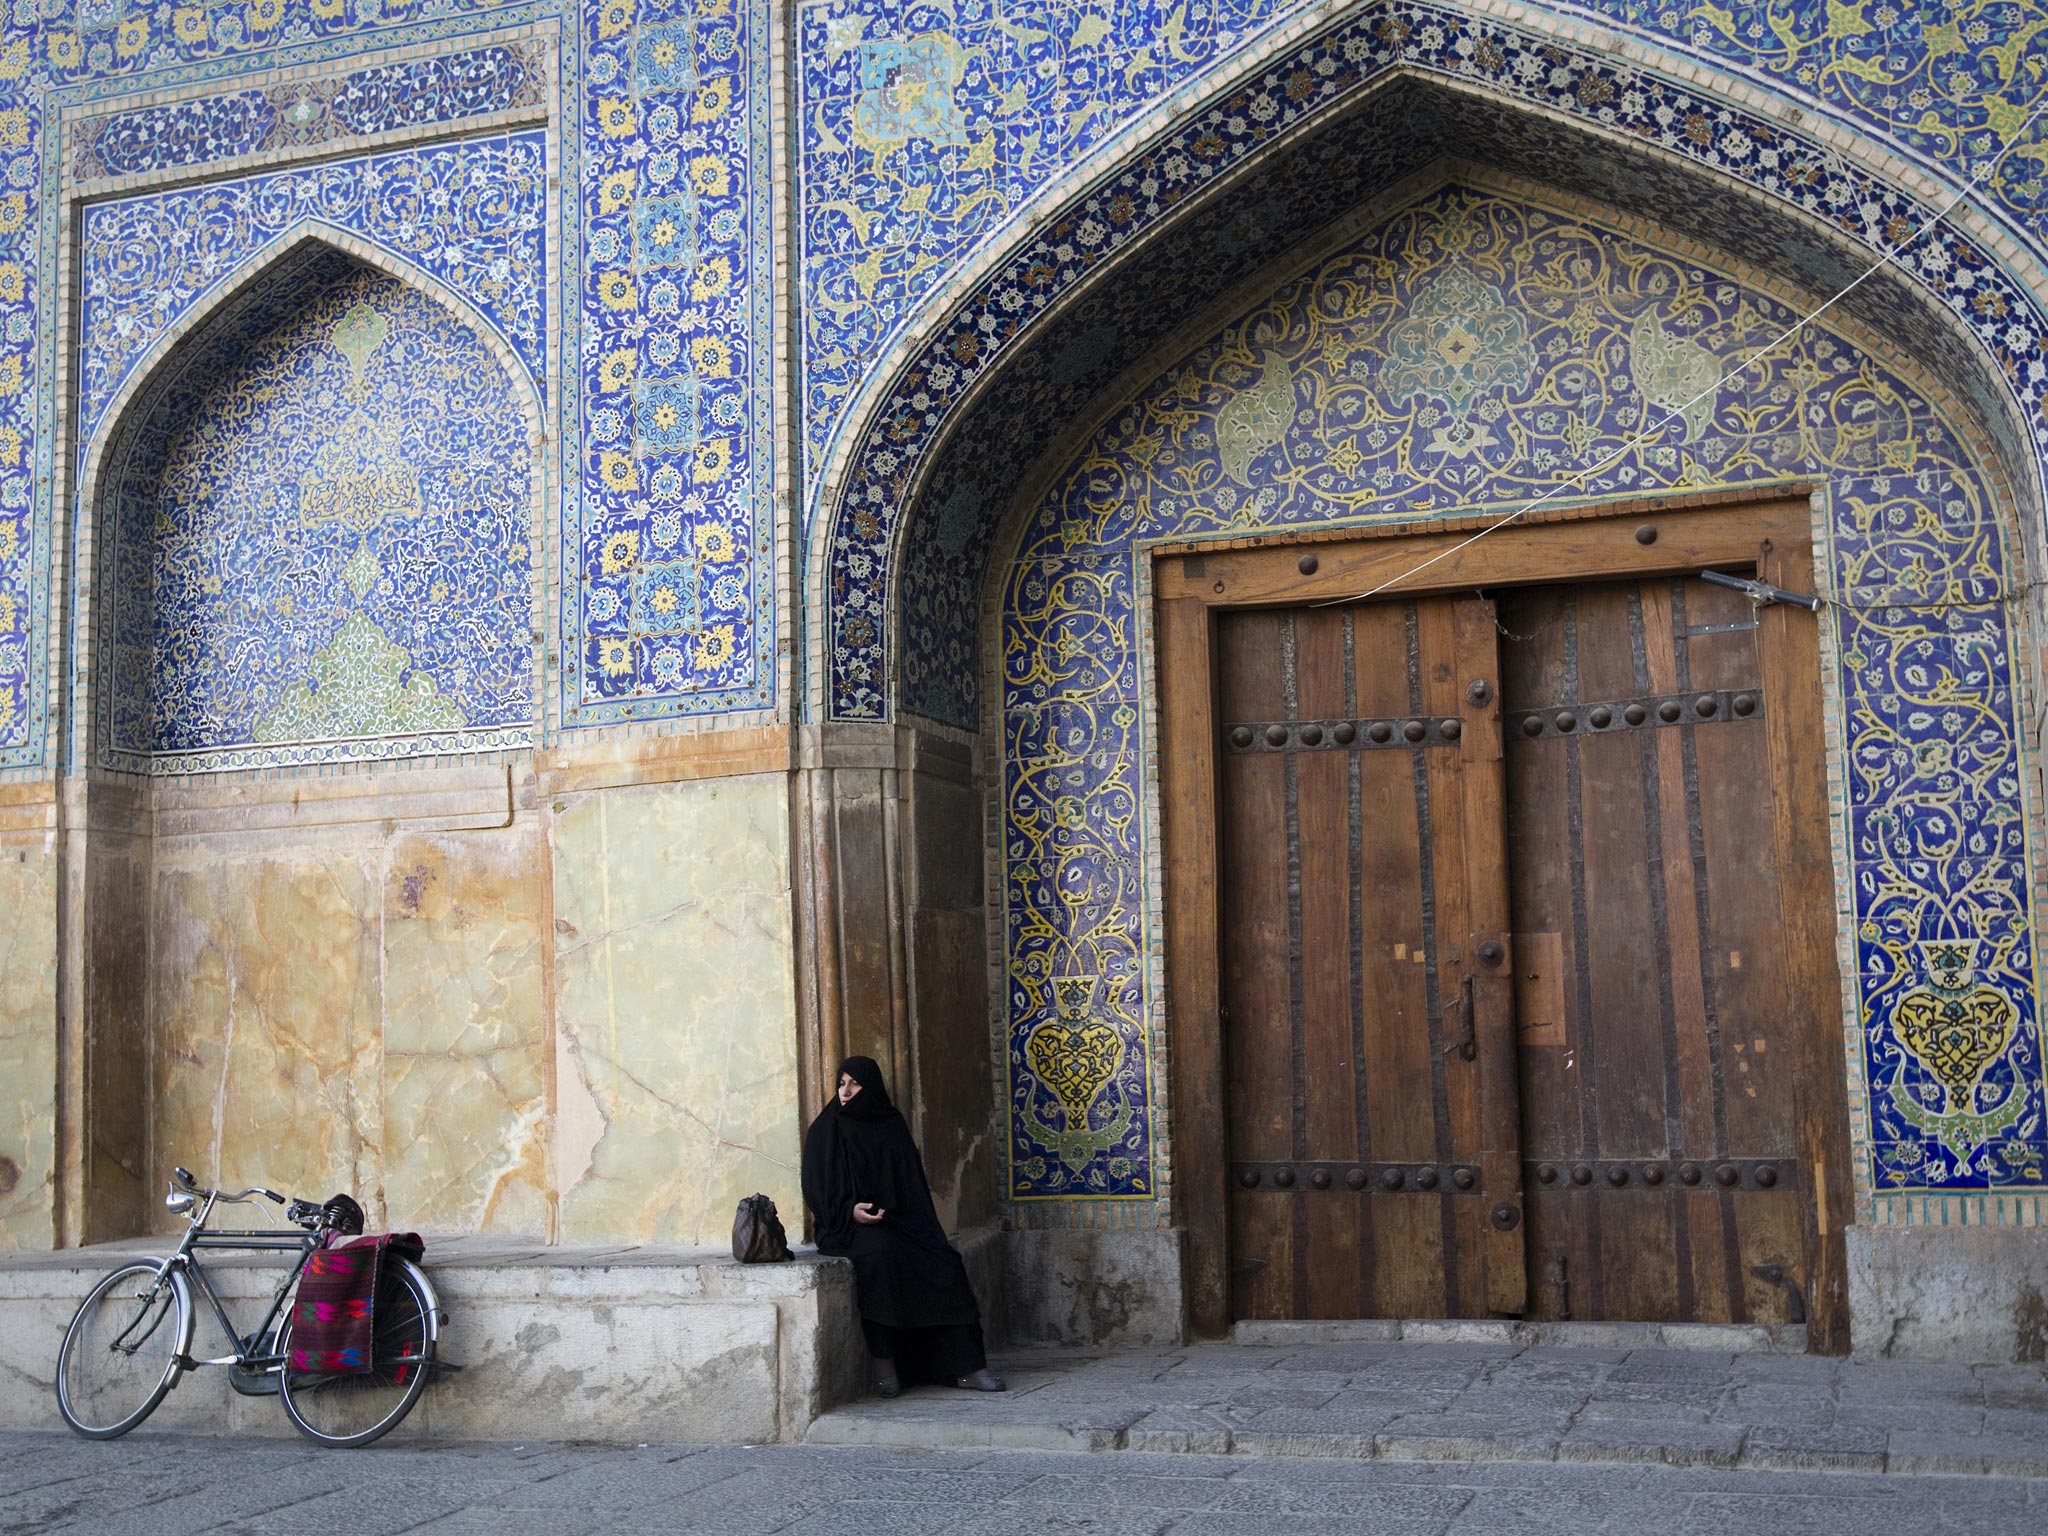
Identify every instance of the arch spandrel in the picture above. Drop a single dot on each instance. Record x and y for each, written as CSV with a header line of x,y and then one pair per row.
x,y
324,435
886,462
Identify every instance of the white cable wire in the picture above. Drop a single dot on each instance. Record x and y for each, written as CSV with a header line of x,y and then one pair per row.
x,y
1888,258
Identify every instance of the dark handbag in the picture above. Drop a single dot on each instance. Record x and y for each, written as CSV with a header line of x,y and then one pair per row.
x,y
757,1235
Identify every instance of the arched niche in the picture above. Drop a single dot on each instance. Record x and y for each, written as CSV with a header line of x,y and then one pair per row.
x,y
310,535
1453,348
315,529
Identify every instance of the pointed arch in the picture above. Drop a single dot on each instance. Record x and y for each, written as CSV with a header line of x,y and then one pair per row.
x,y
991,340
258,294
275,264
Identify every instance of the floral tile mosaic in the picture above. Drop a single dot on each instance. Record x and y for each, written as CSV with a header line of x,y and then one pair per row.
x,y
926,127
921,132
446,89
320,541
472,213
82,42
1342,398
666,411
670,402
1325,75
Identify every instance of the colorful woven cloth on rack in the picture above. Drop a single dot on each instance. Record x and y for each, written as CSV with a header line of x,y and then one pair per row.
x,y
334,1316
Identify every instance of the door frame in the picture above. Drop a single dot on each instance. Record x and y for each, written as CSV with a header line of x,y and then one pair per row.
x,y
1767,527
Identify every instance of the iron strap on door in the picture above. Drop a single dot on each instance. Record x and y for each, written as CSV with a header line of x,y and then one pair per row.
x,y
1650,713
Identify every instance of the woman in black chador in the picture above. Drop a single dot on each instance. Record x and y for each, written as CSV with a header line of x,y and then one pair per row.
x,y
865,1184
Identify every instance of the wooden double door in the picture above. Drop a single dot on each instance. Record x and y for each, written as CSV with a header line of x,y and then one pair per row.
x,y
1510,1025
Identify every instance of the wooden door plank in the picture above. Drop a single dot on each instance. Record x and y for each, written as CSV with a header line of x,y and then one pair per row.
x,y
1689,1060
1494,1222
1188,786
1541,858
1327,1064
1440,808
1261,1028
1789,645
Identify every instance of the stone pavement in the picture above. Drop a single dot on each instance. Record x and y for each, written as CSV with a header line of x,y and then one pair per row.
x,y
156,1484
1499,1400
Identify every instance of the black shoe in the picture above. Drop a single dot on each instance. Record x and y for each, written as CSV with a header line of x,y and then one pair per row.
x,y
887,1383
983,1380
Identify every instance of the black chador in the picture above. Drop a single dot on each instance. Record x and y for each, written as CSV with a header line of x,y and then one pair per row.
x,y
916,1307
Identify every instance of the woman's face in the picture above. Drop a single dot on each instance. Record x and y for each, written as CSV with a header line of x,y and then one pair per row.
x,y
847,1087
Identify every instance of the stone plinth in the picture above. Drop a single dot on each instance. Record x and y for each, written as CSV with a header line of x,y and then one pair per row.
x,y
623,1344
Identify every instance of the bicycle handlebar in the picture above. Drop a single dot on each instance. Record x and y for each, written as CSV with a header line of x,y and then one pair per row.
x,y
182,1178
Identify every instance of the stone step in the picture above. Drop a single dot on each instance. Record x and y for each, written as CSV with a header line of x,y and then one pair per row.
x,y
1488,1393
627,1343
1750,1338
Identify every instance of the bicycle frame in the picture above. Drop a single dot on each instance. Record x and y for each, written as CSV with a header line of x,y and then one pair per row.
x,y
274,1240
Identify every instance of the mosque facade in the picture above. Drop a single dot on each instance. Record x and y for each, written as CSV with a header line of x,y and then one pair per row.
x,y
564,568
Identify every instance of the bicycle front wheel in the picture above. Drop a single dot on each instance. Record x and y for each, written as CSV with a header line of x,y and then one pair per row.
x,y
120,1354
355,1407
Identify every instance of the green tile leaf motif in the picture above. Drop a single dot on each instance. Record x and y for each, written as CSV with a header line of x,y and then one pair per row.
x,y
359,687
1674,373
1460,340
1257,419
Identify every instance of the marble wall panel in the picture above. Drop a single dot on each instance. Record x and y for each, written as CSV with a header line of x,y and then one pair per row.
x,y
675,1008
264,1029
337,1013
28,1048
467,1133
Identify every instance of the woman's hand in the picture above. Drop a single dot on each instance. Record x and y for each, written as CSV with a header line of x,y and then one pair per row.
x,y
867,1214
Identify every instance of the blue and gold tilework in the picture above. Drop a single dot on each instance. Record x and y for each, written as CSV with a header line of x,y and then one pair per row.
x,y
927,124
81,41
1465,351
319,540
660,244
472,214
443,89
1504,63
667,251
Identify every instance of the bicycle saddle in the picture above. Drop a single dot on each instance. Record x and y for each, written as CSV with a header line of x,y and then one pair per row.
x,y
344,1216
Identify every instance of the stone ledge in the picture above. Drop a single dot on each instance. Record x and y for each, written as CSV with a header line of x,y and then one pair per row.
x,y
626,1344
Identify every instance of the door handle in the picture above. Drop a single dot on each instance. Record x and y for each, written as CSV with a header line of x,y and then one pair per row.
x,y
1467,1043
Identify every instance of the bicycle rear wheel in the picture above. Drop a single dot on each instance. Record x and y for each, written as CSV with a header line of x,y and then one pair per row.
x,y
354,1408
120,1354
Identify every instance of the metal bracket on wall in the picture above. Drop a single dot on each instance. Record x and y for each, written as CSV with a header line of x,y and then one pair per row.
x,y
1762,592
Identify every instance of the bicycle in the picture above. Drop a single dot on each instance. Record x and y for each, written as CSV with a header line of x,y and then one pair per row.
x,y
131,1339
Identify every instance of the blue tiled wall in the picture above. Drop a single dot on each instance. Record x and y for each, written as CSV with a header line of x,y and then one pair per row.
x,y
661,328
321,540
924,136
